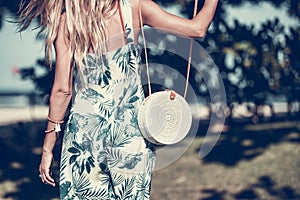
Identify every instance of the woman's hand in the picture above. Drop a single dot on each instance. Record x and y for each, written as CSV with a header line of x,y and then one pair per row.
x,y
45,168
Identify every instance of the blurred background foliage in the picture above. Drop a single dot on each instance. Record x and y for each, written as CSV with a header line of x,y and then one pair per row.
x,y
264,62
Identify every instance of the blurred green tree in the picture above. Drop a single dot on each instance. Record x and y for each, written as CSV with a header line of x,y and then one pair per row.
x,y
263,62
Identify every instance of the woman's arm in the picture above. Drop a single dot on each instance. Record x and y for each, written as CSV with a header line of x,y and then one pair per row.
x,y
59,99
156,17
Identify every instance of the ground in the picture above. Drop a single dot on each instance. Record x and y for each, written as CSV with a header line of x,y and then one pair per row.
x,y
250,161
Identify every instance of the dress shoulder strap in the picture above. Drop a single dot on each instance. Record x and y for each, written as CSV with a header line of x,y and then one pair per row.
x,y
126,15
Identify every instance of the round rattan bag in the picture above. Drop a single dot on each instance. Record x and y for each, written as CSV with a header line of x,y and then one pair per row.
x,y
164,118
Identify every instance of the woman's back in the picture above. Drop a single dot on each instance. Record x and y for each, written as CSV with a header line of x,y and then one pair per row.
x,y
103,122
116,26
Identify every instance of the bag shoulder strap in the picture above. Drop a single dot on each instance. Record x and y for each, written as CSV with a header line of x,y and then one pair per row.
x,y
145,47
146,56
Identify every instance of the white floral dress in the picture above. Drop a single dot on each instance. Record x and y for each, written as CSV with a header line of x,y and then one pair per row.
x,y
104,155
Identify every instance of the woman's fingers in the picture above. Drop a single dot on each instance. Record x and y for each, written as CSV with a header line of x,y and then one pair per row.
x,y
44,168
48,179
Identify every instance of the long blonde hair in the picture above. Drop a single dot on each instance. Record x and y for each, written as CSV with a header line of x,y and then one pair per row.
x,y
86,22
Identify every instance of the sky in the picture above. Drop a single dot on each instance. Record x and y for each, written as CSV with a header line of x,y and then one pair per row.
x,y
23,50
17,51
257,14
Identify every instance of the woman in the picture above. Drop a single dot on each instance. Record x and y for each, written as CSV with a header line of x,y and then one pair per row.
x,y
104,155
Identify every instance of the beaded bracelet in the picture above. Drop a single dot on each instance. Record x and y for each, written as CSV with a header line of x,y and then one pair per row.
x,y
49,131
57,126
55,122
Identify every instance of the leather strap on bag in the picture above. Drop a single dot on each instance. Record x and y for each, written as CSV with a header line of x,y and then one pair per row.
x,y
146,56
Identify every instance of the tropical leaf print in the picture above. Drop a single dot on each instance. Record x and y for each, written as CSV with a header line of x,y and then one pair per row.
x,y
117,138
119,114
117,178
104,71
113,157
125,3
128,31
105,108
129,98
81,159
97,70
104,78
73,191
94,194
132,130
80,189
131,161
90,74
151,156
125,60
143,183
101,105
81,183
63,166
64,189
134,120
103,133
133,96
91,95
104,178
95,126
135,50
125,191
126,101
76,122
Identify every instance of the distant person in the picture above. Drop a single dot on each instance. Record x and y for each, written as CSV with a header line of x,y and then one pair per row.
x,y
104,155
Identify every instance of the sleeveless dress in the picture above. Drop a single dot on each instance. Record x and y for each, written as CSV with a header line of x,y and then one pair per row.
x,y
104,155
